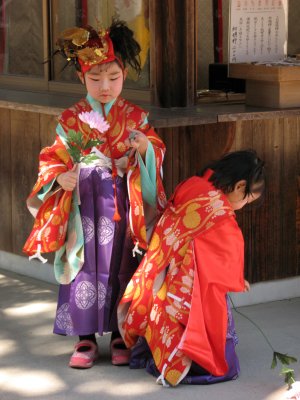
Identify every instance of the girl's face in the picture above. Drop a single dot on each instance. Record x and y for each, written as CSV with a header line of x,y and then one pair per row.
x,y
237,197
104,82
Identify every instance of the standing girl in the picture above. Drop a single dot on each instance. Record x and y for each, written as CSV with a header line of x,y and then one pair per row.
x,y
97,215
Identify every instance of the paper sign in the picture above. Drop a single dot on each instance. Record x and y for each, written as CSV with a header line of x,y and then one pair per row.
x,y
258,30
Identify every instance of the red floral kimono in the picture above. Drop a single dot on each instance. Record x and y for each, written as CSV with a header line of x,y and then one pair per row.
x,y
51,216
177,297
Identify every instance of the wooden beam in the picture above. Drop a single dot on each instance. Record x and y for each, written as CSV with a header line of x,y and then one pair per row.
x,y
173,52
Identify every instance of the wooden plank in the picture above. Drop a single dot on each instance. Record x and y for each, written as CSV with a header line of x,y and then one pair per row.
x,y
5,182
47,129
267,220
167,137
277,86
244,140
25,140
172,70
176,159
262,226
213,141
289,197
298,220
264,72
273,94
190,148
244,135
298,199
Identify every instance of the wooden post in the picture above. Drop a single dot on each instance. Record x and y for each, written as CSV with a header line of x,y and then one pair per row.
x,y
173,52
218,30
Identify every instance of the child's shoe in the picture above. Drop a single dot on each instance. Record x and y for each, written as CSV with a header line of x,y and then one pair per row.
x,y
84,358
120,355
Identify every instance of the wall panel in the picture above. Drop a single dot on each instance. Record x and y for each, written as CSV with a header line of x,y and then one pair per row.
x,y
47,129
25,142
5,181
290,192
272,230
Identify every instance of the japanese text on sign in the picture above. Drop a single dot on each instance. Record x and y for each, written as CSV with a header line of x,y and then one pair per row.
x,y
258,30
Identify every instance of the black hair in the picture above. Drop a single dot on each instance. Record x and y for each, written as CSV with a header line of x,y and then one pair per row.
x,y
125,45
234,167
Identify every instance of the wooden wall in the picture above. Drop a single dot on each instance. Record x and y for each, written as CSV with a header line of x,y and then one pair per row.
x,y
22,135
272,231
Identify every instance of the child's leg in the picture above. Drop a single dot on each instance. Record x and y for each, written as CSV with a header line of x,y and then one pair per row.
x,y
91,338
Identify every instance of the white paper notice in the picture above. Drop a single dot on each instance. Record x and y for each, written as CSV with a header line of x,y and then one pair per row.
x,y
258,30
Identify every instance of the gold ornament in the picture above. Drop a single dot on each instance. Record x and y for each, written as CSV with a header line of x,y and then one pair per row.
x,y
78,36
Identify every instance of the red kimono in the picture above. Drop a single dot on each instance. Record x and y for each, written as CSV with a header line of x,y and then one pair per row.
x,y
176,298
50,227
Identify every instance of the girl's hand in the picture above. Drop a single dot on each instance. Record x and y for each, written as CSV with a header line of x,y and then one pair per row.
x,y
68,180
247,286
138,141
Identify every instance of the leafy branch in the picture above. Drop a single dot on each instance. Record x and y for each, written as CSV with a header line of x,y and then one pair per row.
x,y
284,359
78,150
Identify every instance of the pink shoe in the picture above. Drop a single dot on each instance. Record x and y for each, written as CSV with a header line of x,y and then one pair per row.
x,y
120,355
84,359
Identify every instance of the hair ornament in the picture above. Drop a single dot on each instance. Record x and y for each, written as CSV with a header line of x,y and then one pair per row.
x,y
86,46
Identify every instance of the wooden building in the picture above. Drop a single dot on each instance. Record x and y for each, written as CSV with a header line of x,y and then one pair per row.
x,y
194,132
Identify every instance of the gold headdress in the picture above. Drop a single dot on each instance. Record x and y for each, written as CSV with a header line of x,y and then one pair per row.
x,y
86,46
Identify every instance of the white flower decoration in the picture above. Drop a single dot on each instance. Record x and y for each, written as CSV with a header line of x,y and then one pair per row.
x,y
94,120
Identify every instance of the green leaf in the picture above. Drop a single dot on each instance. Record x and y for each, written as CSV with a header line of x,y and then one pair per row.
x,y
292,359
274,361
289,376
285,359
92,143
75,154
89,158
75,137
285,370
76,147
72,132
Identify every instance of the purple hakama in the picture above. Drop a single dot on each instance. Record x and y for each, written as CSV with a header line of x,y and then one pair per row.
x,y
88,304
